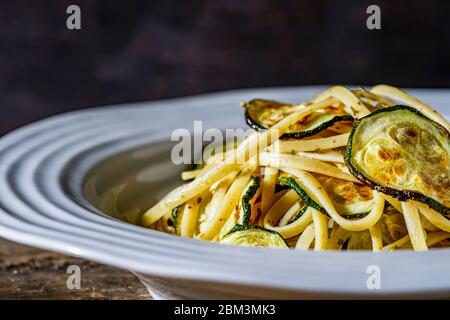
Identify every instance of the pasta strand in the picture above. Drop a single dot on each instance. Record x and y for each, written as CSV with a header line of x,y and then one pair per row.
x,y
415,230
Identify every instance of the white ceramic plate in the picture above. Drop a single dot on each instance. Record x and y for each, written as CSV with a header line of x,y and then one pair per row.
x,y
57,173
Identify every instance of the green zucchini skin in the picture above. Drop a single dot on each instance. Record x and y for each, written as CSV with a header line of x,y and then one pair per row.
x,y
299,214
352,203
251,191
402,195
243,227
321,127
279,187
175,212
249,120
357,215
345,244
253,124
289,181
292,135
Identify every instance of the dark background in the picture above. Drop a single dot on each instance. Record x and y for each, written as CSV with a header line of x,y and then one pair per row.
x,y
142,50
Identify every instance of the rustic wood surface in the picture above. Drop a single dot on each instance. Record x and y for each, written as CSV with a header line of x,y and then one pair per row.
x,y
29,273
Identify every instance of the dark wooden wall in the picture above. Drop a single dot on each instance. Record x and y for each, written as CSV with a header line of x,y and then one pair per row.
x,y
141,50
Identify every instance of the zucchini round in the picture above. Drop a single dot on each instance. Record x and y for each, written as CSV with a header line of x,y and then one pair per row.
x,y
348,198
263,114
402,153
254,236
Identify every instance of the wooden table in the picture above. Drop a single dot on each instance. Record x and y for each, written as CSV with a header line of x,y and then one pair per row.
x,y
29,273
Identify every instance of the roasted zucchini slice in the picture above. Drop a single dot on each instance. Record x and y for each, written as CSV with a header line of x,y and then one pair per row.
x,y
348,198
175,218
402,153
249,193
242,214
254,236
353,201
263,114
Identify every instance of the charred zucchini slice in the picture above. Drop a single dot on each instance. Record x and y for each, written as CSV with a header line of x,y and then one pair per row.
x,y
254,236
402,153
356,203
249,193
175,218
242,214
348,198
263,114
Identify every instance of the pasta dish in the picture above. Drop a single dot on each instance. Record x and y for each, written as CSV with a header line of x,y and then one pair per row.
x,y
364,169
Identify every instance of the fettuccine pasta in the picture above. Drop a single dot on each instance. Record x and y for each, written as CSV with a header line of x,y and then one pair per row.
x,y
349,170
